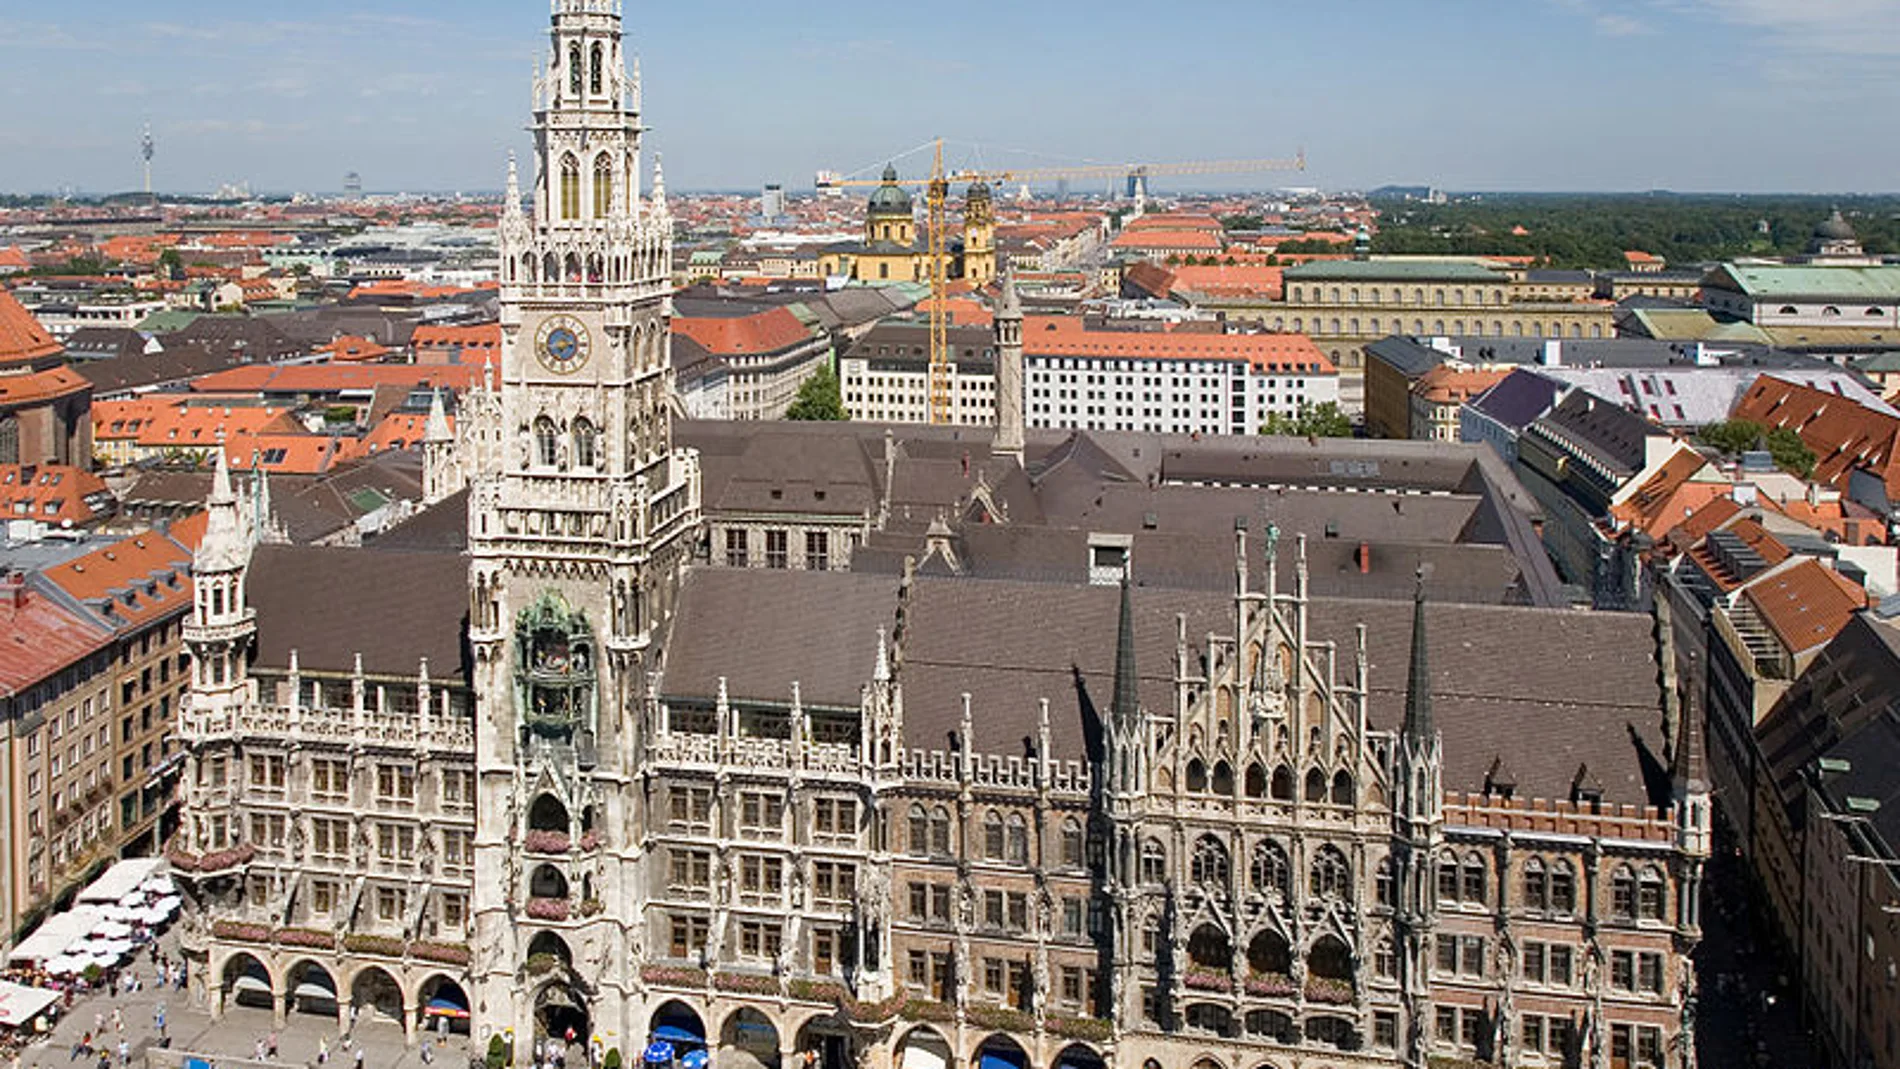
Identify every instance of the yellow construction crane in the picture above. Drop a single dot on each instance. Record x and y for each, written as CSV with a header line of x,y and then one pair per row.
x,y
936,199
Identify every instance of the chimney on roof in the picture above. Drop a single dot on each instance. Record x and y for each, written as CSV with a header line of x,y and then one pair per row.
x,y
1364,557
1553,354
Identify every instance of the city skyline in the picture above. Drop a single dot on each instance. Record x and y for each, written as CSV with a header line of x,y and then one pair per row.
x,y
428,98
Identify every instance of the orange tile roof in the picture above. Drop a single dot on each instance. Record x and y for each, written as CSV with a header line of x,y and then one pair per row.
x,y
481,336
1168,240
1806,604
1710,517
1174,221
11,256
126,419
188,532
39,636
285,452
1843,434
764,332
1069,336
22,339
1231,280
349,348
402,287
398,430
134,581
173,424
33,387
1448,384
1636,256
1851,522
1667,497
52,493
1756,537
961,311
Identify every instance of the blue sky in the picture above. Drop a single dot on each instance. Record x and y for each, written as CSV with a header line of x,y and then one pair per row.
x,y
1800,95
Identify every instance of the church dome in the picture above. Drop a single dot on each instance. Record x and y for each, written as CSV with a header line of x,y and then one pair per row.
x,y
1835,228
890,198
22,339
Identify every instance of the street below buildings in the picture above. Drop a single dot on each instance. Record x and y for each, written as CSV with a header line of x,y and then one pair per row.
x,y
1747,1012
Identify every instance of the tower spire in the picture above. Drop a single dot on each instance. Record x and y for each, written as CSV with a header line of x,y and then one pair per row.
x,y
1418,686
1688,771
513,207
1124,706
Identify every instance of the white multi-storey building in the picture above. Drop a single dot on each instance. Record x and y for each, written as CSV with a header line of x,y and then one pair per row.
x,y
1076,377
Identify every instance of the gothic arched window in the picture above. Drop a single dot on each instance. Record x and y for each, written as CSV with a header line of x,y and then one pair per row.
x,y
1016,840
547,443
1332,875
993,835
919,830
939,830
1536,885
1072,843
570,188
594,72
574,69
586,440
603,186
1623,894
1210,863
1271,872
1563,888
1154,862
1650,895
1474,879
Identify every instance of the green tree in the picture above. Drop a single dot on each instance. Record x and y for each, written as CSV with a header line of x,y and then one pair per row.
x,y
172,264
818,399
1790,453
1733,436
1242,222
1323,420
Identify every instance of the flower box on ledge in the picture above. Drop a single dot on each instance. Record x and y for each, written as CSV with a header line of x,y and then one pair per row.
x,y
446,953
1207,980
545,842
923,1009
1320,989
746,983
306,937
219,860
590,840
1000,1018
1087,1029
825,991
387,945
1271,985
548,909
240,932
673,976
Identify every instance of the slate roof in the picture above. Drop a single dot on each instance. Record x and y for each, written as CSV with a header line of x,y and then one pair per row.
x,y
1593,700
314,599
1517,399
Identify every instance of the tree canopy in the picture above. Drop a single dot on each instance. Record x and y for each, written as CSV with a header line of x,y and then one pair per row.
x,y
818,399
1323,420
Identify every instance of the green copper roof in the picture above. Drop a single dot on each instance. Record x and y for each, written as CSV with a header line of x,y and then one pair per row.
x,y
1391,271
1810,282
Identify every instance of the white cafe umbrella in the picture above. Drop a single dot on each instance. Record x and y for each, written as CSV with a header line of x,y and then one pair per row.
x,y
152,916
169,904
158,885
116,913
112,929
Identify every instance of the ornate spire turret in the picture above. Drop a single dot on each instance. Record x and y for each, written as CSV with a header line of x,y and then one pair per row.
x,y
1009,372
1419,727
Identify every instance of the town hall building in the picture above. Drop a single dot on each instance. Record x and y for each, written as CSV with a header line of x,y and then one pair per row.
x,y
546,759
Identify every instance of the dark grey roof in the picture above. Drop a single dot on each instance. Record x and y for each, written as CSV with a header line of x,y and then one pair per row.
x,y
177,364
315,599
1009,645
1611,433
1554,277
1518,398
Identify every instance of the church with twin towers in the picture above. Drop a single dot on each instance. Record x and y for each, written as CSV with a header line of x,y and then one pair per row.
x,y
549,760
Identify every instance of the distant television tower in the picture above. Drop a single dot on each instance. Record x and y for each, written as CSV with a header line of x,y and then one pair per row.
x,y
146,147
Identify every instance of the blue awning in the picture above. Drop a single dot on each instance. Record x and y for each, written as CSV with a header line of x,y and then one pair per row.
x,y
695,1059
999,1060
659,1053
673,1033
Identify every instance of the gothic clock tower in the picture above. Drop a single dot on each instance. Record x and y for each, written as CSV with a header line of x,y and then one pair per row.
x,y
581,516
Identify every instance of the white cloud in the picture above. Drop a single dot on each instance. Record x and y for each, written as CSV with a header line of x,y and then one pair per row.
x,y
1608,23
1834,27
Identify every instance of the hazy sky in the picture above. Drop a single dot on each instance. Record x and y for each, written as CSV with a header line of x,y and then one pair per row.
x,y
1465,94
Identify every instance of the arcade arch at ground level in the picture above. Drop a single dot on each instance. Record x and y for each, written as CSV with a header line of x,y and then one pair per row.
x,y
280,981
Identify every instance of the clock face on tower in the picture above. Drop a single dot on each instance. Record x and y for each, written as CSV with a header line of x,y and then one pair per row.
x,y
561,345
